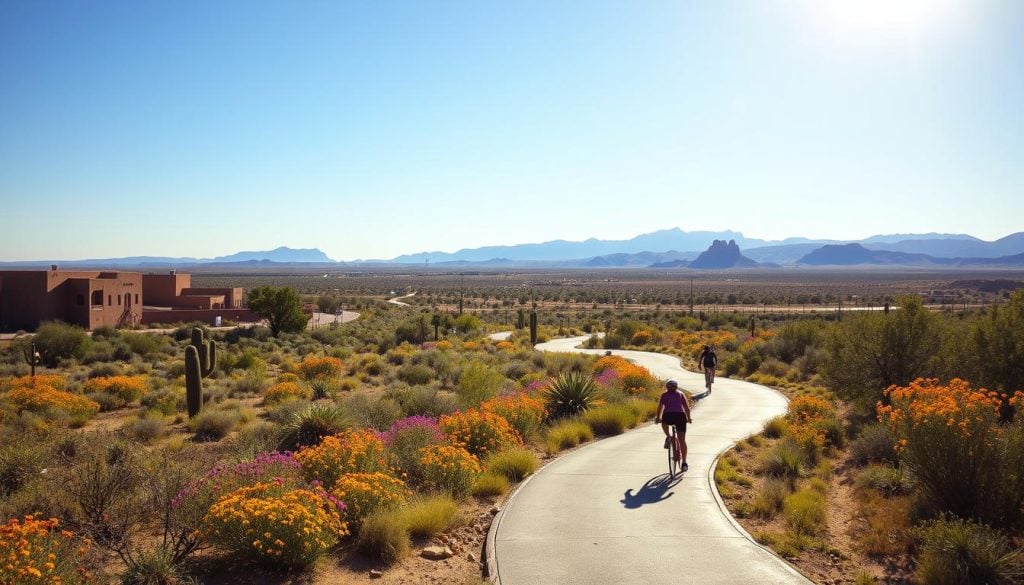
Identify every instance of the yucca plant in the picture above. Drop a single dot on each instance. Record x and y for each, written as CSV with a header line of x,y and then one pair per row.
x,y
308,427
570,394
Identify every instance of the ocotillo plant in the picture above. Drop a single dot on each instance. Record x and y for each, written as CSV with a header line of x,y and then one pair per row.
x,y
200,361
193,382
533,327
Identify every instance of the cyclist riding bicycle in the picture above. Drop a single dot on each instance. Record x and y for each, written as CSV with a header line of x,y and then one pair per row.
x,y
674,409
708,361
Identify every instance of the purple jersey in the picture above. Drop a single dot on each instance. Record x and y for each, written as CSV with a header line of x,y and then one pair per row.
x,y
673,401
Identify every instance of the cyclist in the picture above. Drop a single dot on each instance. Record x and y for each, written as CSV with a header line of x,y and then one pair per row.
x,y
708,361
674,409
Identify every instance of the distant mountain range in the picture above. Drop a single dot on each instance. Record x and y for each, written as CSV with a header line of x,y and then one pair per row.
x,y
667,249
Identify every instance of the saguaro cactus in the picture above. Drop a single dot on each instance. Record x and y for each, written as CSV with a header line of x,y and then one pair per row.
x,y
193,382
207,352
200,361
520,319
533,327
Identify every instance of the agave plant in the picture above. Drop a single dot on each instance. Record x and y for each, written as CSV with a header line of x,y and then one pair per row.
x,y
570,394
308,427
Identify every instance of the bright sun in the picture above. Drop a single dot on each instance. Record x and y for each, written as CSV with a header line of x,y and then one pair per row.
x,y
885,21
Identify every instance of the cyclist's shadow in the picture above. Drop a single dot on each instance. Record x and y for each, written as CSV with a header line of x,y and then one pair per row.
x,y
653,491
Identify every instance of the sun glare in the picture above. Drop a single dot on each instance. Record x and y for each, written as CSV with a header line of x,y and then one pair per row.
x,y
872,22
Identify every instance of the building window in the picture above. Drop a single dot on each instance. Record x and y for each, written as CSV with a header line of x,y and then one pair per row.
x,y
80,300
118,300
97,298
110,300
136,298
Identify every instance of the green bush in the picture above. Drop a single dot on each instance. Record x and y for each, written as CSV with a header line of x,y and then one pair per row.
x,y
478,382
430,515
775,428
784,460
147,428
875,444
490,484
415,374
883,479
214,425
805,512
19,464
383,536
570,394
423,400
567,434
56,341
958,552
375,413
515,464
107,402
611,419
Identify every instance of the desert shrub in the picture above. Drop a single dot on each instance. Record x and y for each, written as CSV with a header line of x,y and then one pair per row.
x,y
107,402
152,567
246,521
56,341
283,412
214,425
126,388
383,536
490,484
775,428
805,512
35,551
53,381
252,440
515,464
478,382
365,493
769,498
19,464
321,388
145,344
105,371
734,364
883,479
430,515
611,419
308,426
784,460
524,412
570,394
875,444
811,422
480,433
406,437
959,552
146,429
166,401
376,413
313,367
448,469
415,374
349,451
423,400
285,391
567,434
962,459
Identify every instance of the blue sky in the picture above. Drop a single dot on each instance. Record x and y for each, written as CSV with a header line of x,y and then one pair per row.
x,y
373,129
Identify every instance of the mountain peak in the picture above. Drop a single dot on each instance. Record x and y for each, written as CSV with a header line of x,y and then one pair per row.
x,y
723,254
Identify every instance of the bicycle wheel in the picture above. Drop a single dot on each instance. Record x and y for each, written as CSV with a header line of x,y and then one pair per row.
x,y
673,462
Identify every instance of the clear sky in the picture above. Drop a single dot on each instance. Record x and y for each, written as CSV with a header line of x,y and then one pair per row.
x,y
373,129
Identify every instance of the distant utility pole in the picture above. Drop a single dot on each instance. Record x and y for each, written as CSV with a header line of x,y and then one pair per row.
x,y
691,296
462,290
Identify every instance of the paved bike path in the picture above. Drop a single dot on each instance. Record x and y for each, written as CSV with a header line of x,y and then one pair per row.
x,y
609,514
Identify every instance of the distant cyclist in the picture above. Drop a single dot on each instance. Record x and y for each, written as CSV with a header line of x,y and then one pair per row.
x,y
674,409
708,361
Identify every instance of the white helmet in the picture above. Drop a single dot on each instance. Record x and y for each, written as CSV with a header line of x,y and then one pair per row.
x,y
671,384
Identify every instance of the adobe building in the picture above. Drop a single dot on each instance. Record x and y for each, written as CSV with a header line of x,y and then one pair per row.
x,y
89,299
92,299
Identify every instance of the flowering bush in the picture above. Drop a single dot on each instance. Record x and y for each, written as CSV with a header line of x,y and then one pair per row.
x,y
809,421
313,367
364,493
406,437
642,337
54,381
449,469
443,344
276,525
505,345
34,551
480,433
693,343
522,411
347,452
470,345
950,438
127,388
616,372
44,399
285,391
226,478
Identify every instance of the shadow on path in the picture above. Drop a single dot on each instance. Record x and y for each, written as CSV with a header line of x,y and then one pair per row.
x,y
653,491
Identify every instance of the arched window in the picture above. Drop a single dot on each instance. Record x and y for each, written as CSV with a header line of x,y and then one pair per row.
x,y
97,298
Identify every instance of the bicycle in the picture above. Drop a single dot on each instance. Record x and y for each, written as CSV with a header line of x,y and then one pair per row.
x,y
674,460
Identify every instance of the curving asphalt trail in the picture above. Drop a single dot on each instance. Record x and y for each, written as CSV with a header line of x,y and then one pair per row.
x,y
608,513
